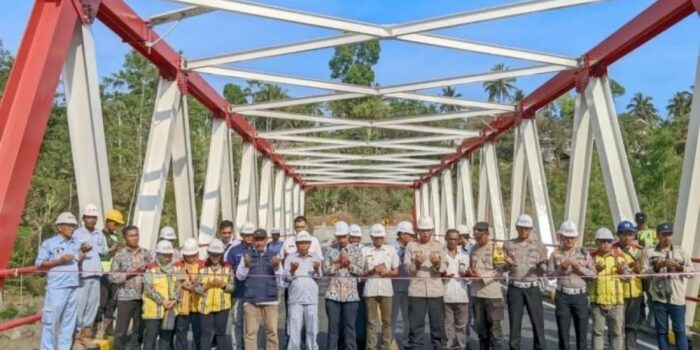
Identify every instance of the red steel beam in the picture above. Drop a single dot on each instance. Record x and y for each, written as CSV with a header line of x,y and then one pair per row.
x,y
26,106
20,322
654,20
124,22
358,184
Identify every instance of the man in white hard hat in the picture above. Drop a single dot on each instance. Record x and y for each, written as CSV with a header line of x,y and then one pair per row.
x,y
301,270
426,262
606,295
526,264
301,224
234,258
168,233
571,266
188,315
404,235
380,263
61,255
275,243
342,262
355,235
88,304
467,243
361,319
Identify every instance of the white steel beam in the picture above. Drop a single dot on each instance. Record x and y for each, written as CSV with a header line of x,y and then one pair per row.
x,y
397,162
183,175
425,199
178,14
247,209
293,102
435,205
85,123
305,118
216,182
278,208
448,201
156,164
350,182
388,156
539,195
622,197
302,202
296,198
580,158
332,171
465,198
228,184
452,101
417,203
433,130
358,177
288,206
264,204
498,221
687,218
435,117
299,131
518,180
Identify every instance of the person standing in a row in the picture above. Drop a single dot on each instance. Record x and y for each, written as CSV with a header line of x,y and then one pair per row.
x,y
456,296
404,235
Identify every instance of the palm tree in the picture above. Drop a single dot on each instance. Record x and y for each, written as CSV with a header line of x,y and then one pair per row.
x,y
642,108
679,104
500,90
449,92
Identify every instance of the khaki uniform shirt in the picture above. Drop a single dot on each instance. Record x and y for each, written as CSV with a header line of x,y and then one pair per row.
x,y
427,282
525,254
675,285
570,278
481,260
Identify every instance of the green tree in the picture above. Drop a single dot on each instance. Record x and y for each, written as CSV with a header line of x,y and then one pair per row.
x,y
500,90
234,94
642,107
679,104
6,61
352,63
449,92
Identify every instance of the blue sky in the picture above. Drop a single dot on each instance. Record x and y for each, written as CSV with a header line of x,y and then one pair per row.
x,y
659,69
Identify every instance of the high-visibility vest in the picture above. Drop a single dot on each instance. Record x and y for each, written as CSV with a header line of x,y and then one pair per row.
x,y
163,284
189,301
647,237
607,290
215,299
633,287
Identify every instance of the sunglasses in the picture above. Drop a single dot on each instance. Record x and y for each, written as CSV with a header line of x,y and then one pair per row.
x,y
606,241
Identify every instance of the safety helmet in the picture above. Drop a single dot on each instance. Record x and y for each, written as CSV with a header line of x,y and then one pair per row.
x,y
405,227
91,210
167,232
604,233
426,223
164,247
189,247
115,215
524,221
216,246
341,228
626,226
355,230
66,218
377,230
568,229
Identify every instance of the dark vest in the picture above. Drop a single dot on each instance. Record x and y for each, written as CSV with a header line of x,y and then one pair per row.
x,y
261,289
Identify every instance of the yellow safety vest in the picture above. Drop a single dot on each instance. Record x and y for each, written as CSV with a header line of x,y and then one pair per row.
x,y
215,299
633,287
607,290
647,237
189,301
163,284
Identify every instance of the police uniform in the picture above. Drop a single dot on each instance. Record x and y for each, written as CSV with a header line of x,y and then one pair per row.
x,y
60,302
487,296
571,300
524,288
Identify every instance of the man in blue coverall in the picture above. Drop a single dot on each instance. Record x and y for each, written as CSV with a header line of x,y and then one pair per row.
x,y
61,255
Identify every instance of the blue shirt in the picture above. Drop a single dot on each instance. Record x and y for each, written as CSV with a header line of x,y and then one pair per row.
x,y
275,247
92,265
303,287
65,275
234,257
401,285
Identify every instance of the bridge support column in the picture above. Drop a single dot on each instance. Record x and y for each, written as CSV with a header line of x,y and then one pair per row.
x,y
288,209
228,184
424,200
539,195
266,191
156,164
688,209
482,207
215,183
494,192
417,202
183,175
465,197
278,206
579,166
85,122
302,202
296,200
435,204
447,202
519,179
247,209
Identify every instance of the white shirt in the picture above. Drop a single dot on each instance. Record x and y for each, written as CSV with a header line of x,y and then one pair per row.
x,y
373,256
290,247
455,288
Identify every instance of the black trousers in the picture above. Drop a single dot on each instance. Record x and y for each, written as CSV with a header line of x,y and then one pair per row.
x,y
417,309
108,299
152,334
182,329
347,312
570,307
214,327
633,317
530,298
128,311
488,315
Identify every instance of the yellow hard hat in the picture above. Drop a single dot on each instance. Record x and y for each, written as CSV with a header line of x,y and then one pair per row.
x,y
115,215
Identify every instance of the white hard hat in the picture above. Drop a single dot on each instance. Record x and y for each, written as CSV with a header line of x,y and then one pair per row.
x,y
355,230
189,247
274,231
426,223
248,228
216,246
167,232
604,233
568,229
91,210
164,247
463,230
524,221
405,227
66,218
303,236
377,230
341,228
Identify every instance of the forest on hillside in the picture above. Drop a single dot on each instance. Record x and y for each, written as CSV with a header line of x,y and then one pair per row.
x,y
654,134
